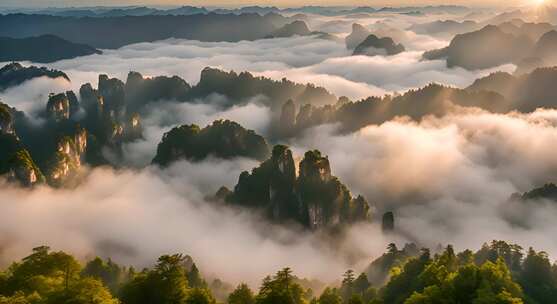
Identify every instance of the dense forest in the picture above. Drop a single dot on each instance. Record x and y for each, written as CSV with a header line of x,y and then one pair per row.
x,y
499,272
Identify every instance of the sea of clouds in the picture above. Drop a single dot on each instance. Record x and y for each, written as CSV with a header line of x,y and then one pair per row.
x,y
447,179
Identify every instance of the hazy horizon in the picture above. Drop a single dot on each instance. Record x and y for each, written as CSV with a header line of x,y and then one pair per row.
x,y
278,3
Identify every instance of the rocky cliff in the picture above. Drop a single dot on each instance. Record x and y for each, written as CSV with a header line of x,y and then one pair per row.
x,y
314,199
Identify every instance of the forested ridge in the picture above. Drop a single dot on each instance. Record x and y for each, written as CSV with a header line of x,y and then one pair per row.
x,y
497,273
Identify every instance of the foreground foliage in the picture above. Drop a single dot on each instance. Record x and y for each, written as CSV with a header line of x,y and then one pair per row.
x,y
498,273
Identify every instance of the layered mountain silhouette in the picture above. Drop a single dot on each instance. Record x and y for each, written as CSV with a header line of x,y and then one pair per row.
x,y
528,45
483,49
357,36
42,49
498,93
14,74
523,93
300,28
115,32
108,11
297,27
445,28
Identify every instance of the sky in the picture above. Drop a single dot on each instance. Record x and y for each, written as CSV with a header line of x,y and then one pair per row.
x,y
21,3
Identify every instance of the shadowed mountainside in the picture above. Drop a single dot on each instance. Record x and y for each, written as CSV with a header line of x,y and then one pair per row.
x,y
43,49
115,32
222,139
313,198
14,74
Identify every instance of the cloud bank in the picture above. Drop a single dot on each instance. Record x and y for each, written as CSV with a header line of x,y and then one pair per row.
x,y
134,217
449,179
302,59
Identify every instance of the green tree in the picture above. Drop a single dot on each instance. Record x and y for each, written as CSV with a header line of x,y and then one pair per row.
x,y
84,291
281,289
330,296
355,299
110,273
241,295
200,296
194,277
490,283
46,277
361,284
347,286
537,278
403,285
166,283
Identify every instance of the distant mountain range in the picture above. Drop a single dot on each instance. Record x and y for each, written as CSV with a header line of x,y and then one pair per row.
x,y
115,32
528,45
262,10
43,49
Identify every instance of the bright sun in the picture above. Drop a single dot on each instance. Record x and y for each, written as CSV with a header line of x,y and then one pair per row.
x,y
539,2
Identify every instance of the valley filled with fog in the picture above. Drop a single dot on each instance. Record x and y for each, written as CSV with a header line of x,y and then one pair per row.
x,y
258,138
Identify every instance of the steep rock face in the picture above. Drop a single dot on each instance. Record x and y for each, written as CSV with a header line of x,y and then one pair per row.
x,y
67,158
109,116
271,188
113,92
6,120
315,199
223,139
74,103
315,191
134,128
304,116
91,100
282,185
374,45
140,91
388,222
16,162
287,120
328,202
58,107
14,74
357,36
